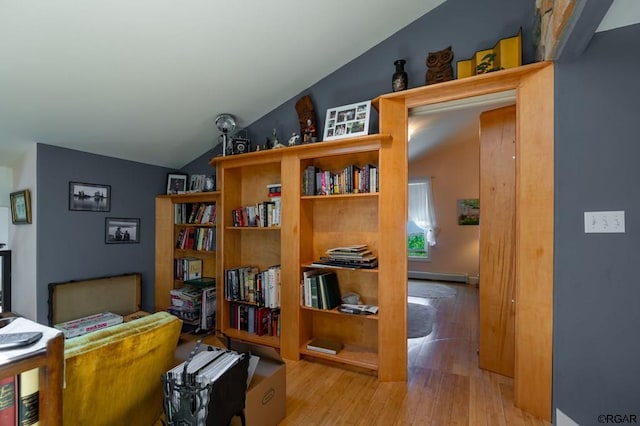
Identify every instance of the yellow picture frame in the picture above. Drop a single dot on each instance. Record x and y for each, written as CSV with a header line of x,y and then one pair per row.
x,y
20,207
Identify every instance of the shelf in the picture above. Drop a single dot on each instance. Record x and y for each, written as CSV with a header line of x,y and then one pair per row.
x,y
338,196
253,228
357,356
335,311
182,253
195,225
191,197
309,265
273,341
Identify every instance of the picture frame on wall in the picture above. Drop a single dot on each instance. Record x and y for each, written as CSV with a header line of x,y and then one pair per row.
x,y
177,183
469,211
90,197
347,121
119,230
20,207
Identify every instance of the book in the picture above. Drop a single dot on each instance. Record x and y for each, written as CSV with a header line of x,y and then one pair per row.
x,y
358,309
8,401
325,346
29,394
202,282
88,324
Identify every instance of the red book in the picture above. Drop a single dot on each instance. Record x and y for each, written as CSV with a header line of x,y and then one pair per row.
x,y
8,401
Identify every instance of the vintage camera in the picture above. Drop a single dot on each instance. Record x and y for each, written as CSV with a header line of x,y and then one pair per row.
x,y
239,145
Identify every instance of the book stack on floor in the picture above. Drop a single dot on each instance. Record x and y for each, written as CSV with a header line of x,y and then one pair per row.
x,y
195,304
357,256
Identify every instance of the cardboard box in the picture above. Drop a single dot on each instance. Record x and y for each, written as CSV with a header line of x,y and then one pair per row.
x,y
266,397
88,324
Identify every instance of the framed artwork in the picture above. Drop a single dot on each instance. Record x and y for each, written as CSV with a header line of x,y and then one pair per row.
x,y
89,197
176,183
347,121
20,207
469,211
121,230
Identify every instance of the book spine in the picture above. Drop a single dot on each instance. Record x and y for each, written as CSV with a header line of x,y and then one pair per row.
x,y
29,407
8,401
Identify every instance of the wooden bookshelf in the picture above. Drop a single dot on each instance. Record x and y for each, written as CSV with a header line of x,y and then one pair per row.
x,y
310,225
167,232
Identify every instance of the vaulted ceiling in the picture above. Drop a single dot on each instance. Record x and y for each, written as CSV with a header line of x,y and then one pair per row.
x,y
143,80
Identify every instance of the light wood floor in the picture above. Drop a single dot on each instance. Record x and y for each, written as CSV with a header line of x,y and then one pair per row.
x,y
444,387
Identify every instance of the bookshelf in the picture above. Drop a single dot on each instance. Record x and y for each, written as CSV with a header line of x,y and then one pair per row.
x,y
246,243
310,225
47,356
173,224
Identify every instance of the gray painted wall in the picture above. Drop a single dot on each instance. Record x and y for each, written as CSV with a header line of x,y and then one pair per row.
x,y
71,244
597,318
466,25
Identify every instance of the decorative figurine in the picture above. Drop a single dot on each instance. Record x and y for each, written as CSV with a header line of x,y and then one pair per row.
x,y
293,140
309,133
439,67
399,80
306,119
274,141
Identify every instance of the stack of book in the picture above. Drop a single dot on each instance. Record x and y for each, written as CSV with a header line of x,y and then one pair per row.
x,y
188,268
353,256
195,305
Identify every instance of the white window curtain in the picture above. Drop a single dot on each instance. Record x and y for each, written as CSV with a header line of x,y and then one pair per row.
x,y
421,210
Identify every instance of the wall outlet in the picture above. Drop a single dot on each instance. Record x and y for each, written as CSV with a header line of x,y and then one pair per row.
x,y
604,222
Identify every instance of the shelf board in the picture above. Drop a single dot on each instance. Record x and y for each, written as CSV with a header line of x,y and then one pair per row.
x,y
337,196
310,265
351,354
273,341
191,197
195,225
253,228
335,311
183,252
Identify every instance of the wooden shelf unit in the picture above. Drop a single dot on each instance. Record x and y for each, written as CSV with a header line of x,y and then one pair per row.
x,y
310,225
167,232
245,183
50,362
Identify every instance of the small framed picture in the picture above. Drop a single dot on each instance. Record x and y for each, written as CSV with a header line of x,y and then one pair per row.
x,y
89,197
347,121
176,183
469,211
121,230
20,207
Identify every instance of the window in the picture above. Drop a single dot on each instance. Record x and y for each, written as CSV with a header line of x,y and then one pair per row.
x,y
421,222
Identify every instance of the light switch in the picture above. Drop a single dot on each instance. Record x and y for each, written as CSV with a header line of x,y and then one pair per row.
x,y
604,222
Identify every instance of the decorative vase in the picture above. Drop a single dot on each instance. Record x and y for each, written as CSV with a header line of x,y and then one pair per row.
x,y
399,80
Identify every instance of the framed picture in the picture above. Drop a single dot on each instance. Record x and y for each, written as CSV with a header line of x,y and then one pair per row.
x,y
89,197
469,211
347,121
121,231
176,183
20,207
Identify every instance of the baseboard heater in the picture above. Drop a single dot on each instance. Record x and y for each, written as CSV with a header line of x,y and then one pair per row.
x,y
439,276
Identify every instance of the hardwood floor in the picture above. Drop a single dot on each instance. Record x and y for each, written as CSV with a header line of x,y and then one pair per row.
x,y
444,386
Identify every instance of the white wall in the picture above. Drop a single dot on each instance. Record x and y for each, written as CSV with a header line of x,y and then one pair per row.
x,y
22,239
6,187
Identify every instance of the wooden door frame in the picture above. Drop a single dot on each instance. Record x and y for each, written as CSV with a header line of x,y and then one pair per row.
x,y
534,86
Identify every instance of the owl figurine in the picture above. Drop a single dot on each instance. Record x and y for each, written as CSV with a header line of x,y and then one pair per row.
x,y
439,67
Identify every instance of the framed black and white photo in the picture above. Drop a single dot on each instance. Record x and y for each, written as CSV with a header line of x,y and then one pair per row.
x,y
347,121
121,230
89,197
20,207
176,183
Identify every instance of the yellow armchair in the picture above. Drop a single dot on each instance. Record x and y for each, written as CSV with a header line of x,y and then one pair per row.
x,y
112,376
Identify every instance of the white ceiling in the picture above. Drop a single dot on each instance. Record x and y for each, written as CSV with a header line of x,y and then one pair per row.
x,y
144,79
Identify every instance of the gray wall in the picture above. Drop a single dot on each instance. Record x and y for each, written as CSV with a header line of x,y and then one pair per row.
x,y
597,318
466,25
71,244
